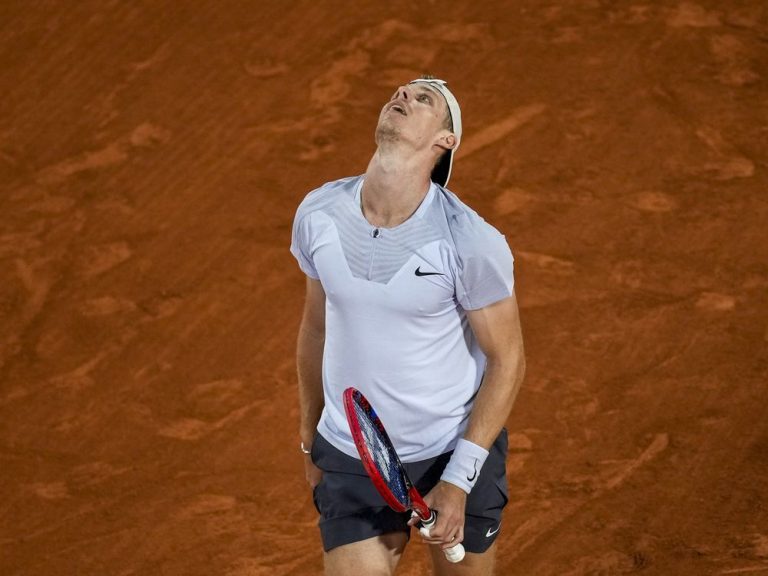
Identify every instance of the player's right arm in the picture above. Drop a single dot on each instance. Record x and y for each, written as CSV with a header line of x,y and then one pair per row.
x,y
309,360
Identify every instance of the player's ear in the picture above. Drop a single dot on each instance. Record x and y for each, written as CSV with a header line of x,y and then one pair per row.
x,y
447,140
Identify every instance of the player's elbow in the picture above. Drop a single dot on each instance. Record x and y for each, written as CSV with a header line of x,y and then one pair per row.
x,y
511,363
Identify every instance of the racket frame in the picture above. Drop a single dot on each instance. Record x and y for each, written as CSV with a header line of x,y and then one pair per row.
x,y
415,502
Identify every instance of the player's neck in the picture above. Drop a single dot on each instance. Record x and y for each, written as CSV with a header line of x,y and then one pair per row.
x,y
394,187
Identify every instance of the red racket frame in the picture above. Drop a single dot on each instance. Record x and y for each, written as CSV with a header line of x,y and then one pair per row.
x,y
415,501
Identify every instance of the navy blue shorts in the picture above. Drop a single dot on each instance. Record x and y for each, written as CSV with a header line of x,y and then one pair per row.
x,y
352,510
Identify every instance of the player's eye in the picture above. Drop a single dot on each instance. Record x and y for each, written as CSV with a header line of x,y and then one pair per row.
x,y
425,98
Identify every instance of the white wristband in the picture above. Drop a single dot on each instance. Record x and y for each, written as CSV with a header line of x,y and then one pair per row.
x,y
464,466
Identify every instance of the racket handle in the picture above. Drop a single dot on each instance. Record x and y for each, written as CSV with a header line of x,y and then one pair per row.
x,y
453,554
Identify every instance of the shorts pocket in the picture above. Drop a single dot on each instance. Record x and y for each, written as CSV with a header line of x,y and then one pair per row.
x,y
317,494
313,449
501,485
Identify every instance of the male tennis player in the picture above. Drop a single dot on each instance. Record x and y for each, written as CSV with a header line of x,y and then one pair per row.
x,y
410,299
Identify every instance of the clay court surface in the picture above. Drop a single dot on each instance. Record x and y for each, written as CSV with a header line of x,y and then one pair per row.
x,y
152,155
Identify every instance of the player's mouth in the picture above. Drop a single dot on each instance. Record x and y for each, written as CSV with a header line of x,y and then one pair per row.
x,y
398,108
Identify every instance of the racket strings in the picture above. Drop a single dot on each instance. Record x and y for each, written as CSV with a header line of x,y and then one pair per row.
x,y
383,454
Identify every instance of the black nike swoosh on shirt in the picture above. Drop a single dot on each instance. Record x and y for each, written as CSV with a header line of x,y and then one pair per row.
x,y
418,272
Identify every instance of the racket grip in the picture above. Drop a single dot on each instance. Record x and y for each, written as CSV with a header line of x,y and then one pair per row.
x,y
453,554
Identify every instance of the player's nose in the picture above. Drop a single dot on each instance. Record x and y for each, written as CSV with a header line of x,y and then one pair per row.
x,y
404,93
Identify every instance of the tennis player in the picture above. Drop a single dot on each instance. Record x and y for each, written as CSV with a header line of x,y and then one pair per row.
x,y
410,299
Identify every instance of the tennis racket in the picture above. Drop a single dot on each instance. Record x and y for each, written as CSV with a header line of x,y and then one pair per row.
x,y
384,467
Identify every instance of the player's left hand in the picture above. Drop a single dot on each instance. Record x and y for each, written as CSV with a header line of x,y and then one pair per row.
x,y
449,501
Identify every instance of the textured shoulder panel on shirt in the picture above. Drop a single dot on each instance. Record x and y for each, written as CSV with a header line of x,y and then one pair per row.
x,y
304,235
325,196
469,231
483,256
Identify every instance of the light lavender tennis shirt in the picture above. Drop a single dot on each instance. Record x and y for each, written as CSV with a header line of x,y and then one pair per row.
x,y
396,326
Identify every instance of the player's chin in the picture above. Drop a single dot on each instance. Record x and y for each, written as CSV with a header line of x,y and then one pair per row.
x,y
386,131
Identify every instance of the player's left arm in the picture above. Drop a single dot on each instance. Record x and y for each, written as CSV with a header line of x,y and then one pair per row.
x,y
498,332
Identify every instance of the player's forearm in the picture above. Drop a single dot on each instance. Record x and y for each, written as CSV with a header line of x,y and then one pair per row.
x,y
490,410
309,360
495,399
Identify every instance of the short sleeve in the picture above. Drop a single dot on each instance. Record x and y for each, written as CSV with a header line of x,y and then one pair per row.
x,y
486,272
301,244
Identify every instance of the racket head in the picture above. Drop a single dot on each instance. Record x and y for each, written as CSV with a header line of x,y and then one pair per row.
x,y
377,452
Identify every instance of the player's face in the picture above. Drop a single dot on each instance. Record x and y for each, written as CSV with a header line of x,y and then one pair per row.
x,y
415,112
